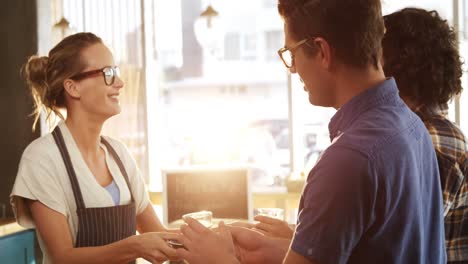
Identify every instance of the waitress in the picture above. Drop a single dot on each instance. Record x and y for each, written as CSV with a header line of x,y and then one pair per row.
x,y
82,191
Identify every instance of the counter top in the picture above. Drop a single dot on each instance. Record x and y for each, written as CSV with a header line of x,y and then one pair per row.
x,y
9,226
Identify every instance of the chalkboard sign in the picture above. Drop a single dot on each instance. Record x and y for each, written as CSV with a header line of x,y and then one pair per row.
x,y
224,191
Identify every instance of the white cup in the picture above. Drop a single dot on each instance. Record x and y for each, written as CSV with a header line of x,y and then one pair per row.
x,y
203,217
277,213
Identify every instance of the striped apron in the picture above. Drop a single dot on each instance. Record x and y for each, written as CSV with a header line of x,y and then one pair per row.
x,y
104,225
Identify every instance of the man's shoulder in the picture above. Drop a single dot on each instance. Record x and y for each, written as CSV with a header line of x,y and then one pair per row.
x,y
373,136
441,127
341,161
386,133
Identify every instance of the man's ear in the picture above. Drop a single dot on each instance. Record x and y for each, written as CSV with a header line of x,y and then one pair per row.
x,y
325,51
71,88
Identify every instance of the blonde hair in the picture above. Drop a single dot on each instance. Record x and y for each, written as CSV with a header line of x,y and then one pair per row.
x,y
45,75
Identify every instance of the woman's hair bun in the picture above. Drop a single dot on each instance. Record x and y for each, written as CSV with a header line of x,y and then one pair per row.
x,y
34,71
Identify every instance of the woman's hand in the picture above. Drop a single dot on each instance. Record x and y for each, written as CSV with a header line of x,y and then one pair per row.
x,y
268,226
153,246
55,232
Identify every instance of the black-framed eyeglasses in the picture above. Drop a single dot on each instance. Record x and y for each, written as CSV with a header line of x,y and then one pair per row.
x,y
287,54
108,72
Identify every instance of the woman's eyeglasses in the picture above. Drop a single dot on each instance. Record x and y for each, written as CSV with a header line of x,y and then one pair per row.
x,y
108,72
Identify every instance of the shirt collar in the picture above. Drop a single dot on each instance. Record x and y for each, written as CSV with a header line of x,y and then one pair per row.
x,y
359,104
437,110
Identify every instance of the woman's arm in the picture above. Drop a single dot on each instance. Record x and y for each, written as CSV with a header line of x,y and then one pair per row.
x,y
148,221
54,230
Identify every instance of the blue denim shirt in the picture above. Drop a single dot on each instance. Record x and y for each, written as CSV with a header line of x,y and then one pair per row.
x,y
374,195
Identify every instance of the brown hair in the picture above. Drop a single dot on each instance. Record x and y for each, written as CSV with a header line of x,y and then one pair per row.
x,y
353,28
45,75
421,53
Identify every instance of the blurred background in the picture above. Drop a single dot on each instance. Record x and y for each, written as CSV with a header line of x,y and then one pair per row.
x,y
204,87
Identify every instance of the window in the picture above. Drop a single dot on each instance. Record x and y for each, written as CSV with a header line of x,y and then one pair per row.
x,y
225,111
249,51
270,3
463,10
232,47
273,41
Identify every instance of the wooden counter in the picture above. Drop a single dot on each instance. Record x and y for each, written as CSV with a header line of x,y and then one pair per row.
x,y
266,197
9,226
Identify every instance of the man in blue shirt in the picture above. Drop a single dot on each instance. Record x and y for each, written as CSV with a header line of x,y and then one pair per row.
x,y
374,195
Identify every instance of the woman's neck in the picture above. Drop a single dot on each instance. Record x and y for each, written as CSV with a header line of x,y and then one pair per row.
x,y
86,134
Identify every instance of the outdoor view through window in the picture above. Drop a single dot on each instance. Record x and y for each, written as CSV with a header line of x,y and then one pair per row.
x,y
226,97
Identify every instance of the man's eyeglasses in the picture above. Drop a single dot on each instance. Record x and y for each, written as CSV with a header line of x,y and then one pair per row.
x,y
108,72
287,54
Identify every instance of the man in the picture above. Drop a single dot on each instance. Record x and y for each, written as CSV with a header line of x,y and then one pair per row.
x,y
374,196
421,53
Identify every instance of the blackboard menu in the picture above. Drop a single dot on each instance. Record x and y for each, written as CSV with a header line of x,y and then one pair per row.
x,y
223,191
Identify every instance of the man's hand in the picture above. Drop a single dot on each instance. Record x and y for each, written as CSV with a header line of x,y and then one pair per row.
x,y
273,227
204,245
254,247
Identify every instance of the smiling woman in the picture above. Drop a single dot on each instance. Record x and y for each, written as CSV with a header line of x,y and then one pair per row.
x,y
82,191
96,84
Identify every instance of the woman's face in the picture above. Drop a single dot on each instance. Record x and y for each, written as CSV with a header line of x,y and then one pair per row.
x,y
95,96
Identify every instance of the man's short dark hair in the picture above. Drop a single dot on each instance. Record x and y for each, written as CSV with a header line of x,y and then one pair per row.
x,y
421,52
353,28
